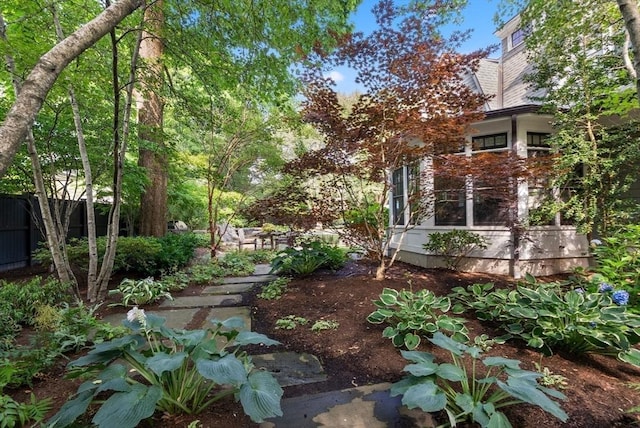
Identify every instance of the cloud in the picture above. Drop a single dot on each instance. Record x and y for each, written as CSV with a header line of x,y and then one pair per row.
x,y
336,76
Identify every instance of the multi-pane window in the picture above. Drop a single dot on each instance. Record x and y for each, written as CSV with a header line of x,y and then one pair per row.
x,y
538,139
397,181
494,141
489,207
450,202
517,37
414,194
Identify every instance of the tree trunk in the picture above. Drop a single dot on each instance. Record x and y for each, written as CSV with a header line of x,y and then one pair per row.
x,y
631,14
35,88
152,154
86,166
55,235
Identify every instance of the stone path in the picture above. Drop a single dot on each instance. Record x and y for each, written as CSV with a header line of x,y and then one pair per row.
x,y
363,407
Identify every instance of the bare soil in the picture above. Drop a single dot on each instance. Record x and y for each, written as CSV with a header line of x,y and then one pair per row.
x,y
356,354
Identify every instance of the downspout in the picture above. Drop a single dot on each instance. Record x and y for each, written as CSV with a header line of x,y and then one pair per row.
x,y
514,220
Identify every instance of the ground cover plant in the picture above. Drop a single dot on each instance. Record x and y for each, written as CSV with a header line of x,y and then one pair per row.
x,y
357,353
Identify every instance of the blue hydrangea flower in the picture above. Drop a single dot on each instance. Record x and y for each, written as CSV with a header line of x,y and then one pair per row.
x,y
604,287
592,324
620,297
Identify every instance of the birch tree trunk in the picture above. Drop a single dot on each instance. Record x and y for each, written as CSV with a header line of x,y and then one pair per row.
x,y
631,14
55,236
35,88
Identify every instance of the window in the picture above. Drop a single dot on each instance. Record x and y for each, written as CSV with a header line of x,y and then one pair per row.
x,y
406,177
397,181
538,139
495,141
489,209
451,202
413,184
517,37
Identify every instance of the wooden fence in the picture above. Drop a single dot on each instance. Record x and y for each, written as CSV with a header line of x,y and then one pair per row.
x,y
21,223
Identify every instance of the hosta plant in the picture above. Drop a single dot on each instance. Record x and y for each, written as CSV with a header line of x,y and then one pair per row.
x,y
142,291
550,317
415,314
464,394
173,371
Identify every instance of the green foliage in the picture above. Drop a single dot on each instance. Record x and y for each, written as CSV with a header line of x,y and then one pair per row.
x,y
321,325
548,317
454,245
175,371
19,302
142,255
413,315
307,258
15,414
549,379
275,289
237,263
290,322
176,281
205,273
618,260
430,386
141,291
261,256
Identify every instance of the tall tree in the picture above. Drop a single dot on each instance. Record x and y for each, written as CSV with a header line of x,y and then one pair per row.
x,y
153,152
631,14
415,105
36,86
575,48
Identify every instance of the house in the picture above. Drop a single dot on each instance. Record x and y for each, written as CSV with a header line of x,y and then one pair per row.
x,y
512,123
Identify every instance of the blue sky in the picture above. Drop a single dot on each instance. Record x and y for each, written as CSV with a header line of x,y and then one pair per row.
x,y
478,16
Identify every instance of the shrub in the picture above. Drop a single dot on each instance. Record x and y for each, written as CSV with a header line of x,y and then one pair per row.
x,y
414,314
454,245
142,291
429,385
176,250
618,260
548,317
175,371
307,258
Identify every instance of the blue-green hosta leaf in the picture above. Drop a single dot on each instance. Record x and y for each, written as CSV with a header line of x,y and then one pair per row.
x,y
260,396
448,343
156,322
190,338
418,357
230,323
427,396
161,362
127,409
465,402
113,378
71,410
498,420
411,341
500,361
450,372
422,369
107,351
524,391
400,387
253,338
632,356
228,370
389,297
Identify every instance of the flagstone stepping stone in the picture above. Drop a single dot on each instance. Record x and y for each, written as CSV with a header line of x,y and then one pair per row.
x,y
202,301
291,368
229,288
262,269
252,278
175,318
368,406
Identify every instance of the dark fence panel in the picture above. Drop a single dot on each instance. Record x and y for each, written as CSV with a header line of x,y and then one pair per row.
x,y
19,232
